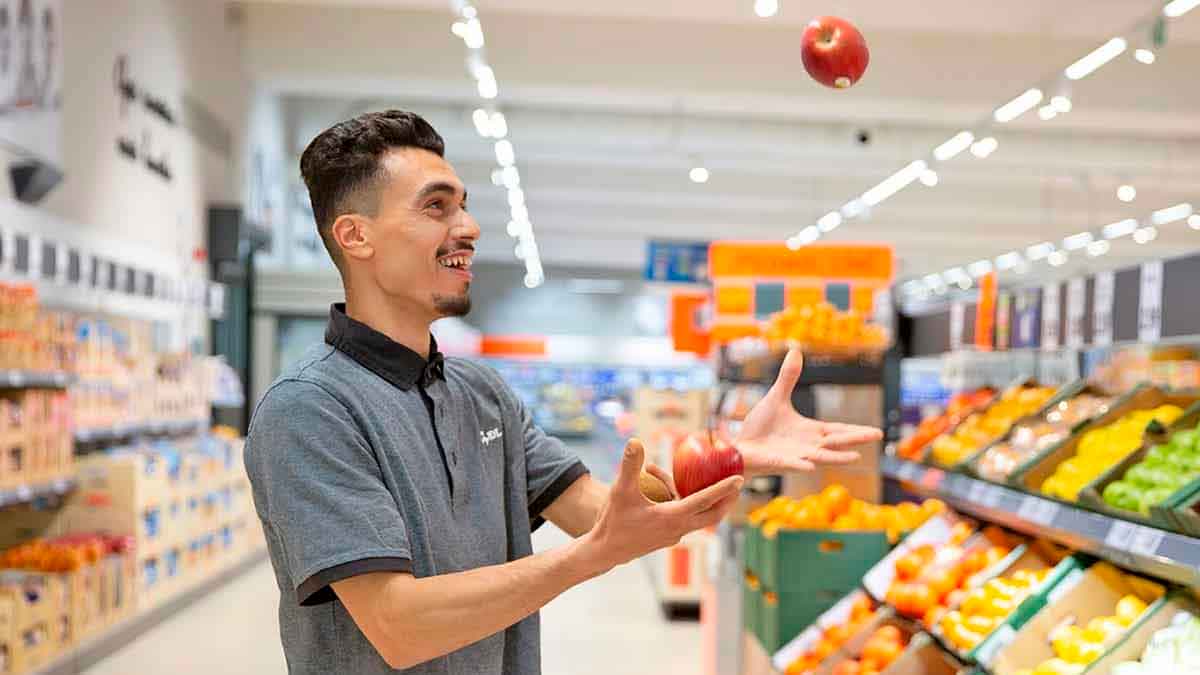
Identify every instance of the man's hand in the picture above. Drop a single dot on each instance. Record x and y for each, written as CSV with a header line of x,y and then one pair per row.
x,y
777,439
631,526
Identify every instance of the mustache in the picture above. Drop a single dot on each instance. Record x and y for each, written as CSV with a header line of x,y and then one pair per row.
x,y
464,246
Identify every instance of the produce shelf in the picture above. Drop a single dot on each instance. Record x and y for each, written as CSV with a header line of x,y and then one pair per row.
x,y
32,379
1137,547
23,494
160,428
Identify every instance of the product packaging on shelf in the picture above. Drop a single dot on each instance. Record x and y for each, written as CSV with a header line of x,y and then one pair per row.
x,y
957,447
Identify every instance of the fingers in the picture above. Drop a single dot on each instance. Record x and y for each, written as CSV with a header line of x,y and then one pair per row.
x,y
867,434
653,469
789,373
708,497
827,456
713,515
844,439
631,467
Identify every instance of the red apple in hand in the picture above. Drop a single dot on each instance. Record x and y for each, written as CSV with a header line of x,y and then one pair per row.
x,y
698,464
834,52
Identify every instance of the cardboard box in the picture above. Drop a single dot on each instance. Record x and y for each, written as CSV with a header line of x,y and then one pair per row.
x,y
1135,641
1078,599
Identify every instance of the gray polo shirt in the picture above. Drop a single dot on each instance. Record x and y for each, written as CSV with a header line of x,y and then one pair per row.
x,y
364,457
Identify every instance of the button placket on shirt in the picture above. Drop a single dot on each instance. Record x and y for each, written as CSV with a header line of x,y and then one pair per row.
x,y
447,429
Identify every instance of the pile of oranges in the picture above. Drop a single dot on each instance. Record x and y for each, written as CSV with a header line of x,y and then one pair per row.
x,y
65,554
834,508
930,578
885,645
823,326
985,607
834,637
933,426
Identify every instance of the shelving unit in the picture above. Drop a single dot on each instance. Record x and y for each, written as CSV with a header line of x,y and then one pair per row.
x,y
29,379
124,431
23,494
1137,547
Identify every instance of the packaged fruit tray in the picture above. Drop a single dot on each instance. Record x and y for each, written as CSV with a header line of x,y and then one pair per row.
x,y
956,448
1085,616
1166,463
1133,645
1100,444
1071,409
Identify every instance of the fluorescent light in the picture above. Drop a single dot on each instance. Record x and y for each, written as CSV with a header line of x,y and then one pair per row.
x,y
1047,113
1194,222
518,228
934,281
979,268
1171,214
1057,259
1061,103
853,208
829,222
984,147
1127,193
1099,56
806,236
488,88
519,213
964,284
473,34
505,155
766,8
894,183
510,177
497,177
1178,8
1018,106
698,174
483,122
1078,241
458,28
516,197
1039,251
1098,248
499,125
1119,229
952,147
596,286
1146,234
1008,261
956,275
533,280
469,12
1144,56
929,178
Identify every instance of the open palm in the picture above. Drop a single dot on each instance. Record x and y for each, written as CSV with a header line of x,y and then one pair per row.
x,y
776,439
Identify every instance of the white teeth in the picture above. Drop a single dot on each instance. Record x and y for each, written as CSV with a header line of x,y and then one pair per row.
x,y
457,261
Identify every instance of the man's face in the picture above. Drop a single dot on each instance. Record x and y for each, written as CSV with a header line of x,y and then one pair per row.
x,y
422,240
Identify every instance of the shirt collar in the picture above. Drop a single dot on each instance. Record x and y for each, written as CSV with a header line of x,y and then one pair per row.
x,y
392,361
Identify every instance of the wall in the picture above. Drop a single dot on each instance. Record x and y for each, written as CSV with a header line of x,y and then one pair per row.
x,y
185,53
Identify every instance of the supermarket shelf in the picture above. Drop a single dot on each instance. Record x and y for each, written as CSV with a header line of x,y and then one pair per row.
x,y
817,370
31,379
94,649
23,494
1143,549
109,434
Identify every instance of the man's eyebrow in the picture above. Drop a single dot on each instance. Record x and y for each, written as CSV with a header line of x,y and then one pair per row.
x,y
439,186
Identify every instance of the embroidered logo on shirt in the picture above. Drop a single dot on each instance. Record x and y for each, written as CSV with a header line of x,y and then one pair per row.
x,y
486,437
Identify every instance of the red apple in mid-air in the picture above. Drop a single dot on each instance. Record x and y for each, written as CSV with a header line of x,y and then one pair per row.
x,y
834,52
699,464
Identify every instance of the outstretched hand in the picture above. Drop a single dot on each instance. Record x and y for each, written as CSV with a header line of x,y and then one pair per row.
x,y
776,439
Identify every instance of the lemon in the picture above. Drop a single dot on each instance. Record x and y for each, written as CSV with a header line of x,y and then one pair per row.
x,y
1129,608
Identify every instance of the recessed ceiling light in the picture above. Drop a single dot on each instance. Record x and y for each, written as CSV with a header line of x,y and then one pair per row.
x,y
699,174
1127,193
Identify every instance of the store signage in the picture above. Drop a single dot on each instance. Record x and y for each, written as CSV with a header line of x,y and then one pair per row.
x,y
1028,310
1102,309
1051,295
1076,310
819,262
1150,302
1003,327
677,262
958,322
985,313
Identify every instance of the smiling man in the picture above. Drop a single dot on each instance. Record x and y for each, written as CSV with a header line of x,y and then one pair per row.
x,y
397,489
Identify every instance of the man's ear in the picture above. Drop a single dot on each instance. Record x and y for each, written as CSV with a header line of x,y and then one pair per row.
x,y
352,232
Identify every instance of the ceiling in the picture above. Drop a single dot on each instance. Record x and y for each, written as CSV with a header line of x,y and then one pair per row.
x,y
610,104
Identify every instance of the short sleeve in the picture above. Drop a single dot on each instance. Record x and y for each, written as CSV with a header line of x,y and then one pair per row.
x,y
549,466
320,493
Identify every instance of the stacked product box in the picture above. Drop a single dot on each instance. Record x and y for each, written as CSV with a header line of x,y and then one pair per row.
x,y
35,437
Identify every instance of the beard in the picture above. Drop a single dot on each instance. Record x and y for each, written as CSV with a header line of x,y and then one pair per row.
x,y
453,305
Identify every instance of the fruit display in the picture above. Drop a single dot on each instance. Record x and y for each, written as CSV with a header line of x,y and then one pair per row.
x,y
930,579
1077,646
832,638
1165,469
64,554
1174,649
1099,449
982,428
833,508
884,646
699,463
931,427
823,327
833,52
985,607
1029,439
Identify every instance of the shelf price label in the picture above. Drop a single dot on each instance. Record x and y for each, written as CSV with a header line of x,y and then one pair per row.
x,y
993,495
977,492
909,472
1150,302
1037,510
1136,539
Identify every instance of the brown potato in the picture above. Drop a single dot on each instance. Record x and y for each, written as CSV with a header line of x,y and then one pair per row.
x,y
654,488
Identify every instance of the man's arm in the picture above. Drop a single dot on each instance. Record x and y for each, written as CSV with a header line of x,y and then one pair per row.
x,y
411,620
577,509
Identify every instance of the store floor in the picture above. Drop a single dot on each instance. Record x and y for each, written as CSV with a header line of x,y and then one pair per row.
x,y
609,626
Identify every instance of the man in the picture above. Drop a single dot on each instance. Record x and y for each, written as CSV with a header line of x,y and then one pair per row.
x,y
398,490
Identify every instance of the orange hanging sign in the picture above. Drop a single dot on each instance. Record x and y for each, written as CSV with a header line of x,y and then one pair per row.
x,y
824,262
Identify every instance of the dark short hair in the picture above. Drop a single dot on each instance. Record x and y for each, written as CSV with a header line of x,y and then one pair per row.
x,y
342,166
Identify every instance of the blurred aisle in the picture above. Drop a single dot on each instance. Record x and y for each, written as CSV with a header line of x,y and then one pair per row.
x,y
609,626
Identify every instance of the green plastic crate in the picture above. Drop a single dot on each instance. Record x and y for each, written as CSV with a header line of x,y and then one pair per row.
x,y
752,606
785,615
800,560
1182,509
752,542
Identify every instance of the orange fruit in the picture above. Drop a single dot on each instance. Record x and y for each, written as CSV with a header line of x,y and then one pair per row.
x,y
836,498
846,522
